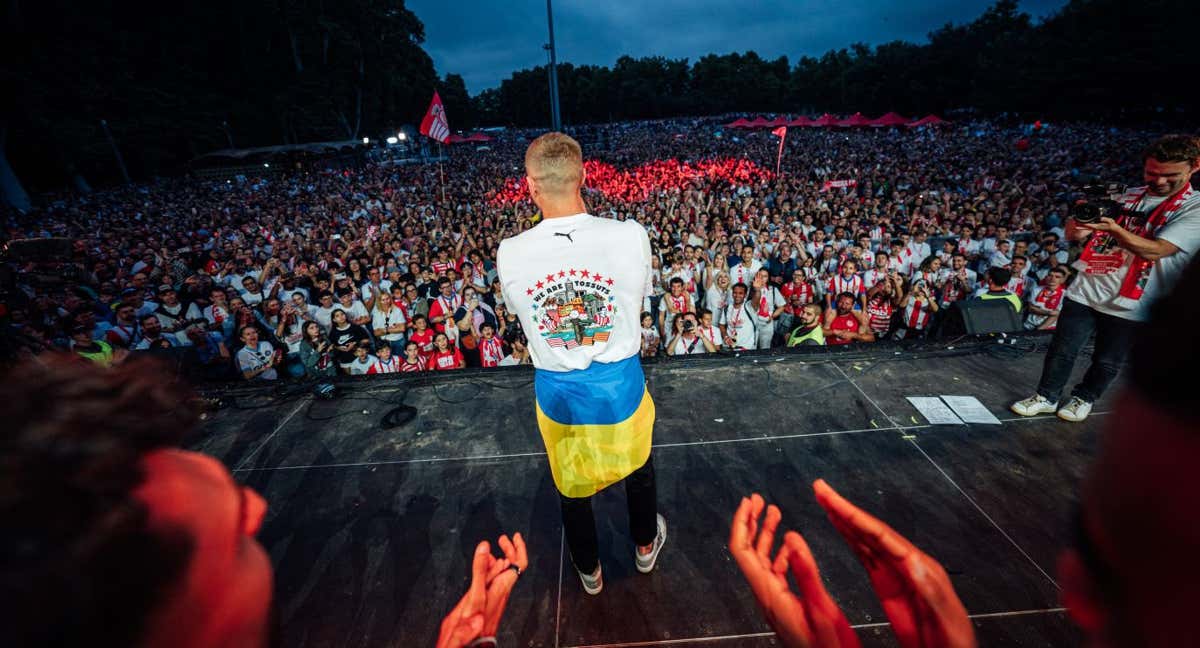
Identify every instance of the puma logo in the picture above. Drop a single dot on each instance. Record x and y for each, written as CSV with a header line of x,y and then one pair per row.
x,y
566,234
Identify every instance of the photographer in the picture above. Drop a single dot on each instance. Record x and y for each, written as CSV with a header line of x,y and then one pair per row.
x,y
1126,263
689,341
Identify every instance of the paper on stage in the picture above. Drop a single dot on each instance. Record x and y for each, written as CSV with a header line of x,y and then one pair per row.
x,y
970,410
934,410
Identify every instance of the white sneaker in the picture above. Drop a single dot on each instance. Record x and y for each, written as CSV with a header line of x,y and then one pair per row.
x,y
645,564
592,583
1075,410
1033,406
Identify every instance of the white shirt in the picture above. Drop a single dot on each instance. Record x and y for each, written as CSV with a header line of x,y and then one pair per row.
x,y
715,300
324,316
920,251
385,285
740,325
742,274
1102,291
683,346
381,320
360,366
548,274
354,311
250,359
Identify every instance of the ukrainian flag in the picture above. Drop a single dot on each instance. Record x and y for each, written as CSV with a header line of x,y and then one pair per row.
x,y
597,424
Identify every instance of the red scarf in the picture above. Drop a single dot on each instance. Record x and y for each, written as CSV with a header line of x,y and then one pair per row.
x,y
491,352
1103,255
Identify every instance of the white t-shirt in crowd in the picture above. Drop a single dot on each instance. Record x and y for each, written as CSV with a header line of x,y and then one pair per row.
x,y
324,316
740,325
250,359
742,274
285,294
385,285
684,346
354,311
381,320
715,300
1101,291
360,365
577,284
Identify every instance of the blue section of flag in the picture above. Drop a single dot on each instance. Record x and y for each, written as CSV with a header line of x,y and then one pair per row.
x,y
602,394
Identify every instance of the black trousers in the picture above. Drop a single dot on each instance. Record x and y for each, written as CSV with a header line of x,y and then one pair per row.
x,y
1076,323
580,524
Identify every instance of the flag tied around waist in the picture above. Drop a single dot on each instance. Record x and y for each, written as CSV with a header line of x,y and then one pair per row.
x,y
597,424
435,124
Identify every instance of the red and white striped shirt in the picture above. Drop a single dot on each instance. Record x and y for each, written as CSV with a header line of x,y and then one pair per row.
x,y
491,352
879,314
917,314
408,367
391,365
841,283
804,290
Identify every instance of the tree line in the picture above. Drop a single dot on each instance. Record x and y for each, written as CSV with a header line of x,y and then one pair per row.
x,y
1106,59
178,80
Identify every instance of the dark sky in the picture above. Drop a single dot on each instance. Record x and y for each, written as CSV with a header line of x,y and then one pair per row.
x,y
486,40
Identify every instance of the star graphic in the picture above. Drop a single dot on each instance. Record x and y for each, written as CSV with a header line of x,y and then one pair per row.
x,y
584,274
529,291
550,277
539,285
572,272
561,274
597,278
609,281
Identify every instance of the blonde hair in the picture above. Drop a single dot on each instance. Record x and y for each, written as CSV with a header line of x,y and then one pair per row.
x,y
555,162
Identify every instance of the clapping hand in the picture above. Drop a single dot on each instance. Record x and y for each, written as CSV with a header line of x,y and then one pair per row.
x,y
479,611
811,619
913,588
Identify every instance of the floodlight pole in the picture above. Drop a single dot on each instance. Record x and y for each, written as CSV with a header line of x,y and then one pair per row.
x,y
116,152
555,114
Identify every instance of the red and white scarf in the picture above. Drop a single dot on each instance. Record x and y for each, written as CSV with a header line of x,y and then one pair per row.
x,y
491,352
1103,254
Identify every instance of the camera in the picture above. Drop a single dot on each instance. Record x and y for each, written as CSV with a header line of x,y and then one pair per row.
x,y
1094,203
688,325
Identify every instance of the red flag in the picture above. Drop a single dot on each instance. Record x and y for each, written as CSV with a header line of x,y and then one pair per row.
x,y
781,133
435,125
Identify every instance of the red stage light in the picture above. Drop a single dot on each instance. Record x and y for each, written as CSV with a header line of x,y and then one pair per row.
x,y
640,183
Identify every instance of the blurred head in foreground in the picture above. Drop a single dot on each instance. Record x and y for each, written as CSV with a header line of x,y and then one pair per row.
x,y
110,534
1131,577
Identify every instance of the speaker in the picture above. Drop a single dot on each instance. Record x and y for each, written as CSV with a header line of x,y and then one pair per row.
x,y
978,317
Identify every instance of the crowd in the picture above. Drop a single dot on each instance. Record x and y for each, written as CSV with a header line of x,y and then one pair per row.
x,y
384,268
115,536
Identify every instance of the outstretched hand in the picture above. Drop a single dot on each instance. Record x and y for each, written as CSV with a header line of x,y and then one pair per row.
x,y
811,619
501,580
479,611
913,588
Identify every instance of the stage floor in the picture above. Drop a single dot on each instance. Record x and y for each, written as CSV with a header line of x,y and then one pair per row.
x,y
371,530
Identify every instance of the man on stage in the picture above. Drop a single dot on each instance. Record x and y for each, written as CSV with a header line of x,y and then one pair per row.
x,y
1126,264
577,282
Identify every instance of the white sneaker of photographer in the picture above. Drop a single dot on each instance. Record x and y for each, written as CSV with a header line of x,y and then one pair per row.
x,y
1033,406
592,583
1075,410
